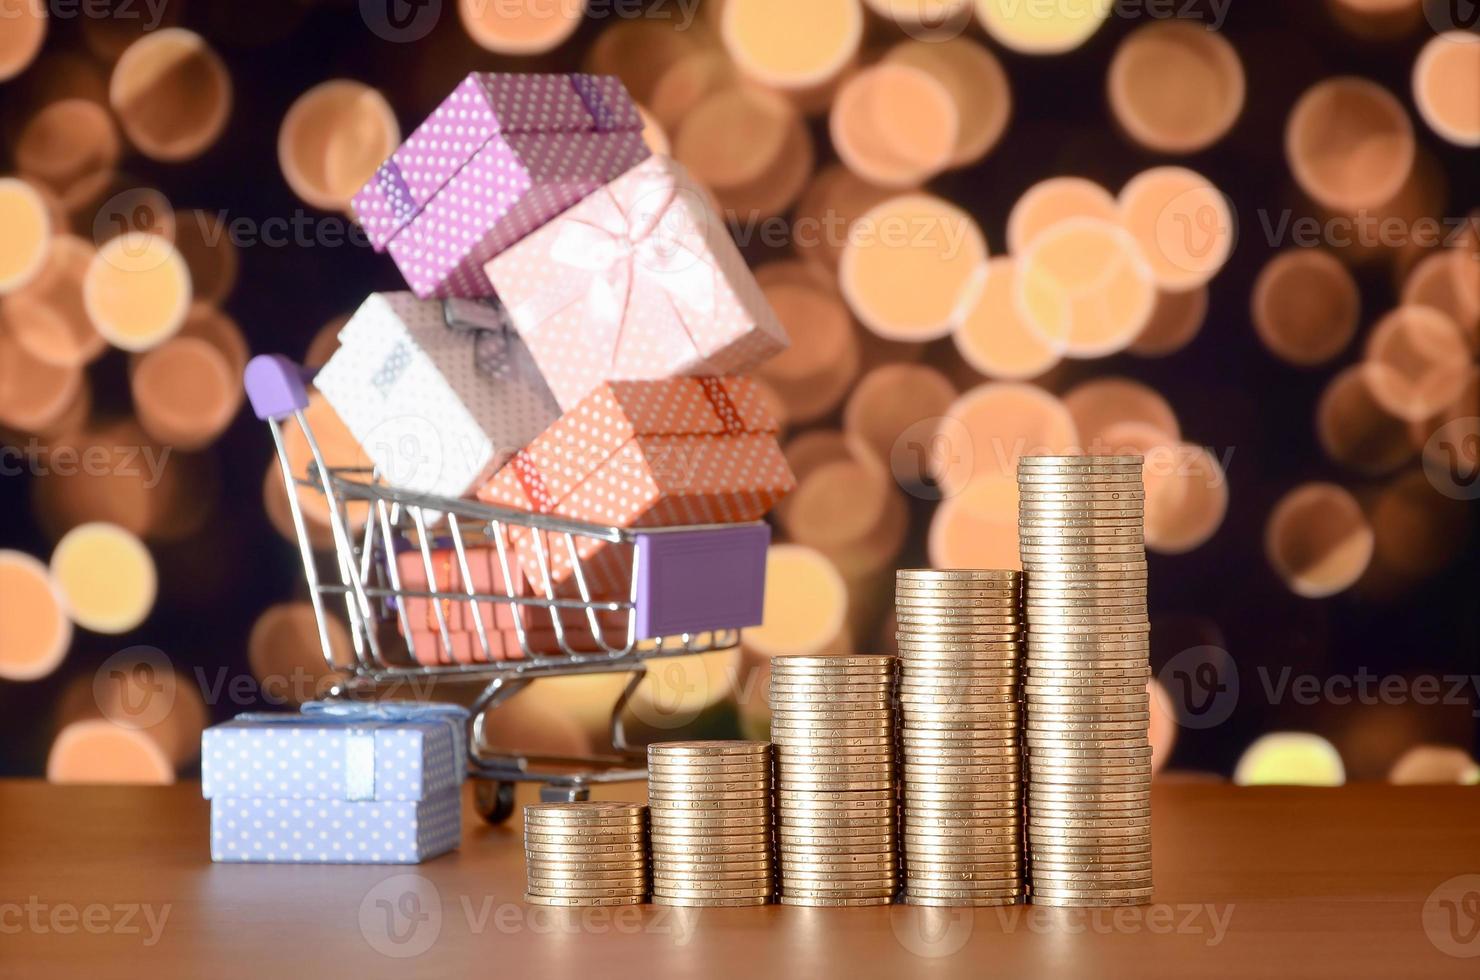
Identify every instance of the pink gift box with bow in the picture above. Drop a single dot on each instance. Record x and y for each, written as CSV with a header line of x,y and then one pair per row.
x,y
639,281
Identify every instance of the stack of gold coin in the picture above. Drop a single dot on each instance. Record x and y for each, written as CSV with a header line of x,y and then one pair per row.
x,y
832,723
578,854
960,651
710,804
1081,529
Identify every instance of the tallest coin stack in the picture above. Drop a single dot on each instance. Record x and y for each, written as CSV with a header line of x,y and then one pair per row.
x,y
1081,531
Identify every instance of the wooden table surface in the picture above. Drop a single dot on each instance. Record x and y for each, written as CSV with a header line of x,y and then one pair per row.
x,y
1250,883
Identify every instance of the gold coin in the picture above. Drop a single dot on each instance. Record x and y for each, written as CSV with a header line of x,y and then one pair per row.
x,y
744,825
809,693
716,807
961,902
623,823
956,895
569,901
759,789
814,890
829,704
819,901
1130,461
1108,850
809,796
835,821
543,880
1045,893
706,749
580,862
751,890
677,865
711,902
1005,866
1073,501
850,662
749,881
1004,601
875,872
801,760
711,843
864,809
956,575
1092,879
837,848
591,891
986,880
566,843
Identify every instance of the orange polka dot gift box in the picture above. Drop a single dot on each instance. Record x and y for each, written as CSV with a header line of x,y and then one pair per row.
x,y
453,636
499,157
643,454
640,280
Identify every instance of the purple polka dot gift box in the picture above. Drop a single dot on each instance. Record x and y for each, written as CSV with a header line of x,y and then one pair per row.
x,y
340,783
640,281
501,156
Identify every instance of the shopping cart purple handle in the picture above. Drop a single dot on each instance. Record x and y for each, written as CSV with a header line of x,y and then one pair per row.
x,y
275,386
696,581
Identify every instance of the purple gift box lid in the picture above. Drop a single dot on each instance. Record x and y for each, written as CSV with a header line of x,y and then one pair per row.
x,y
483,107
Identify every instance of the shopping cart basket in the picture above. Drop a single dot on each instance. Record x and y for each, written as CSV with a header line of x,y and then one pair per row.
x,y
692,590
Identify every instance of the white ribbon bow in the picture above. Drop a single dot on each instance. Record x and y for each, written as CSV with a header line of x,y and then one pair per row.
x,y
645,246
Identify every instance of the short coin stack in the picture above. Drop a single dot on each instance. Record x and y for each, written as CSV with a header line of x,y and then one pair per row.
x,y
960,651
711,823
1081,530
832,723
579,854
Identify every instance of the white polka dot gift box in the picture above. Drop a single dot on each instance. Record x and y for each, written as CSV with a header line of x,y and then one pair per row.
x,y
340,783
644,454
641,280
500,157
436,399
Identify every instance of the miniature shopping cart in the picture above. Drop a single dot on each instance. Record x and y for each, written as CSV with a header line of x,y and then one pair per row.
x,y
692,590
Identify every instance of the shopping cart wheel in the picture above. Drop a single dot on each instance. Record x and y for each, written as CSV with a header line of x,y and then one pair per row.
x,y
565,793
494,800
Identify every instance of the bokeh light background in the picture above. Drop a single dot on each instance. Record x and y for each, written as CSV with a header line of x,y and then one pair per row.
x,y
1130,226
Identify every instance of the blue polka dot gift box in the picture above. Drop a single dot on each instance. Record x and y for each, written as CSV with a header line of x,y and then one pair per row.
x,y
502,155
339,783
